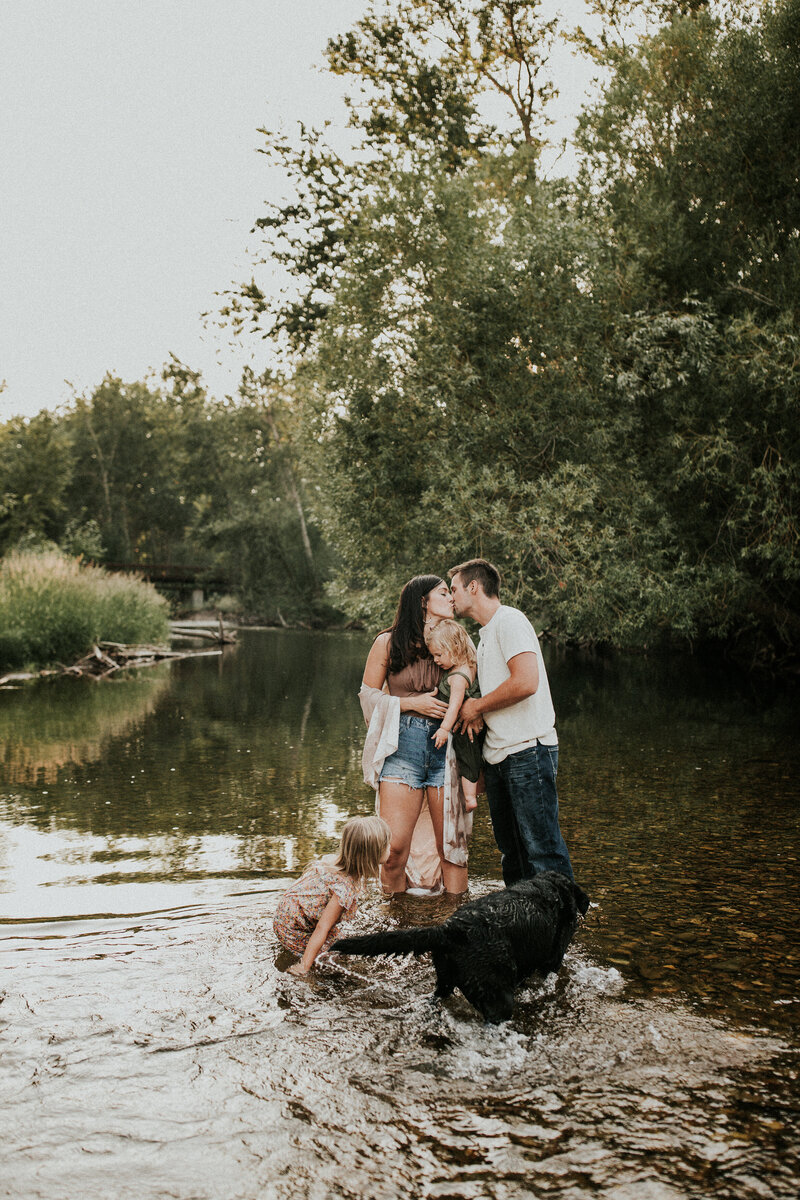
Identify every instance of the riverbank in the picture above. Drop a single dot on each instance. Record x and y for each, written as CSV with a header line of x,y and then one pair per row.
x,y
106,658
245,619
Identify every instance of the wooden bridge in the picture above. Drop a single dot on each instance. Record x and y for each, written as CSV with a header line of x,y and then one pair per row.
x,y
170,575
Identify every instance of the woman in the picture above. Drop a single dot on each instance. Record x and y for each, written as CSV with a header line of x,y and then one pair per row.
x,y
400,756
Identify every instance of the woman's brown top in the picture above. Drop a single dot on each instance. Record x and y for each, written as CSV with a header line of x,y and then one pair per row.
x,y
420,676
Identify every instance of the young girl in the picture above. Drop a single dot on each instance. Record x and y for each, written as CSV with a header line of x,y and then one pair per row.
x,y
453,651
308,914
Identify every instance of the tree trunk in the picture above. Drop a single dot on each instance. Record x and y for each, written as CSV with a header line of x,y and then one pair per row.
x,y
294,496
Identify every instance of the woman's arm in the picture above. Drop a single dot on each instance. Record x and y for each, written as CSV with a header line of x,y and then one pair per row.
x,y
426,704
330,915
458,686
377,666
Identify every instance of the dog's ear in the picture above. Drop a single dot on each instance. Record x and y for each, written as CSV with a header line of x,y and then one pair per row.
x,y
581,899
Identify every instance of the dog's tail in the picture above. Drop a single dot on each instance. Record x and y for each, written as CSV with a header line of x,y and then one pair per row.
x,y
416,940
581,899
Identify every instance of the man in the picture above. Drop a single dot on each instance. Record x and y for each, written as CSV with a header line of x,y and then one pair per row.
x,y
521,746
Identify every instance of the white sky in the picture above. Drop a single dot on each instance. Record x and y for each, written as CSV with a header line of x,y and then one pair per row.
x,y
130,178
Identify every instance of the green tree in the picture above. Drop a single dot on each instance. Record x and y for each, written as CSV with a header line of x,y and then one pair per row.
x,y
693,160
251,516
519,369
423,70
694,151
135,473
125,438
458,372
35,471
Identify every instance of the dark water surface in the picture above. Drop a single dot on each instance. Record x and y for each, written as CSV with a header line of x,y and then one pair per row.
x,y
151,1048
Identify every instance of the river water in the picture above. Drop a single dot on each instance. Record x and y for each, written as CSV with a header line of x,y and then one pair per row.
x,y
153,1047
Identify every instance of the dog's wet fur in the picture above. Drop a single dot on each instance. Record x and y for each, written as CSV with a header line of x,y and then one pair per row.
x,y
492,943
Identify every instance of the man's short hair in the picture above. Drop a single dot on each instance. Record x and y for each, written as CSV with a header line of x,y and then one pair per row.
x,y
478,568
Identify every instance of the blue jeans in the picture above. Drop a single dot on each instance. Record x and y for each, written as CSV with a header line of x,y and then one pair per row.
x,y
523,803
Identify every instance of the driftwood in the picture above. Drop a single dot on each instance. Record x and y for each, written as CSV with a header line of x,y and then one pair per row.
x,y
14,677
106,658
209,630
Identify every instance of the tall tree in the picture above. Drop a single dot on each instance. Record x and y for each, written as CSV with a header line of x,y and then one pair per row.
x,y
250,511
123,445
423,70
35,470
694,157
520,366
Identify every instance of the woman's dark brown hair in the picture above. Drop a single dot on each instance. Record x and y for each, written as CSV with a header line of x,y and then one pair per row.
x,y
407,634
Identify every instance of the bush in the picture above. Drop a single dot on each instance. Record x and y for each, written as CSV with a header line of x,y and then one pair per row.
x,y
52,609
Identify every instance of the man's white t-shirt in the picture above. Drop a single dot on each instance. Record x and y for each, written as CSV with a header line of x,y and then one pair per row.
x,y
533,719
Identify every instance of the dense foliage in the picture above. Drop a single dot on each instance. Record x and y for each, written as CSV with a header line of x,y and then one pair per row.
x,y
592,381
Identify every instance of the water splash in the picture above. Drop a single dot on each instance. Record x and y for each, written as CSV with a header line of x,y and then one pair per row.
x,y
169,1056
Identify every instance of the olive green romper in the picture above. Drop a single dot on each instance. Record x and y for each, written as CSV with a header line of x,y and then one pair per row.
x,y
469,755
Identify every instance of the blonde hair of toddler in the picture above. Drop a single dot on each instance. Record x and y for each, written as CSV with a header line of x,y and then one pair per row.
x,y
453,639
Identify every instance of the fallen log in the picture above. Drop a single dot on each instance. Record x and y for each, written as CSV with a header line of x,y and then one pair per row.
x,y
14,677
218,634
104,659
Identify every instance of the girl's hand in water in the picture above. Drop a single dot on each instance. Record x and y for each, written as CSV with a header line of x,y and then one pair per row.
x,y
297,969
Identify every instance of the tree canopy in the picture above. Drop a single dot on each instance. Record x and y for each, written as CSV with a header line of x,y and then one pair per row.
x,y
159,473
591,380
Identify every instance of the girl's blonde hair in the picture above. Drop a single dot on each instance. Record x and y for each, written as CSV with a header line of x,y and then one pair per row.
x,y
454,640
364,841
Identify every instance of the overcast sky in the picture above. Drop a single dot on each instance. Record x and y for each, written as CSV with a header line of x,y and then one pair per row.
x,y
130,178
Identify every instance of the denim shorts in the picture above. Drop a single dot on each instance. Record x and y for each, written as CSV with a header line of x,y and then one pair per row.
x,y
416,761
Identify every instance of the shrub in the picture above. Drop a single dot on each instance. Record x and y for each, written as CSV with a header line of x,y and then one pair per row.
x,y
53,608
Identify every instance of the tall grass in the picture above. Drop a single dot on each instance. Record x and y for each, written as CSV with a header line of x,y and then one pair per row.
x,y
53,608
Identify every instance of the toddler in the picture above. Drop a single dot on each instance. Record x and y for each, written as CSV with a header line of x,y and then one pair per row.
x,y
309,911
453,651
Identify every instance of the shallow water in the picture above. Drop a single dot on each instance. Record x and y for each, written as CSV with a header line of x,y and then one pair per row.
x,y
152,1046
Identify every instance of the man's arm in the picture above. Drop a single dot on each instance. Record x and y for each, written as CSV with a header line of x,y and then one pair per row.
x,y
522,682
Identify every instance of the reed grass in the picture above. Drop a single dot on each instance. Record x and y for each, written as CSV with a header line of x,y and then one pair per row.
x,y
54,608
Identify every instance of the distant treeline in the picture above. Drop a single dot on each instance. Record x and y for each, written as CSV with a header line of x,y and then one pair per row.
x,y
592,381
159,473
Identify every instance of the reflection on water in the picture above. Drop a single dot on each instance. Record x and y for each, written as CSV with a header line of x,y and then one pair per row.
x,y
69,721
164,1054
241,765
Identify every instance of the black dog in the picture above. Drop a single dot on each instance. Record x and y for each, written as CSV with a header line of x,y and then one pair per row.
x,y
492,943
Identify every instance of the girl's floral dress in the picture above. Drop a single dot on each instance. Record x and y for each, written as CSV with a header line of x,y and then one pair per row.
x,y
305,900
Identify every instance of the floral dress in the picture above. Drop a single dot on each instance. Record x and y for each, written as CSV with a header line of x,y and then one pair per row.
x,y
304,901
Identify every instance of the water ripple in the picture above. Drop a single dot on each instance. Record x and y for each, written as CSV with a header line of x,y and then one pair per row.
x,y
169,1057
